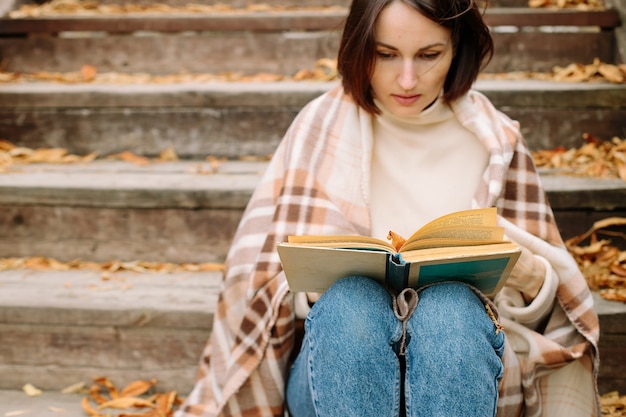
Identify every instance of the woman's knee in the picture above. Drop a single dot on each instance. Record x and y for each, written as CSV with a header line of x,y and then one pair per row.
x,y
356,308
454,313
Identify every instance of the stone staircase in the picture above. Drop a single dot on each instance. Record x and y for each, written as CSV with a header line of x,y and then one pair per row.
x,y
62,327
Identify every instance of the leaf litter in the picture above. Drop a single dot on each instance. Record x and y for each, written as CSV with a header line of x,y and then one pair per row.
x,y
41,263
325,69
137,399
12,155
96,8
595,158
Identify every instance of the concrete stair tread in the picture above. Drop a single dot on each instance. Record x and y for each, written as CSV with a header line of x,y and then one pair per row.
x,y
105,183
227,94
275,20
49,403
232,119
166,293
125,298
63,327
143,348
199,184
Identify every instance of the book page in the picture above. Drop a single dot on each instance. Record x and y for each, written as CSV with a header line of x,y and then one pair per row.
x,y
456,236
473,217
345,242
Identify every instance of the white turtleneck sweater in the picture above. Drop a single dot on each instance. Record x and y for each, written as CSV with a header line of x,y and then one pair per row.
x,y
423,166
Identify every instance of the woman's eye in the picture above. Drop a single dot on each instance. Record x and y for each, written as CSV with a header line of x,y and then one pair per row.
x,y
429,56
385,55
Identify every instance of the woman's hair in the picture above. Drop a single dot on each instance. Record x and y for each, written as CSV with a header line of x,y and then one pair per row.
x,y
471,41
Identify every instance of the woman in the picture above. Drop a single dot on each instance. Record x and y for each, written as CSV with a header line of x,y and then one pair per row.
x,y
401,141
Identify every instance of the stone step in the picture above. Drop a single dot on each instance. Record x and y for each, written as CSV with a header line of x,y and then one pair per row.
x,y
60,328
177,212
281,42
48,404
185,211
272,3
249,118
63,328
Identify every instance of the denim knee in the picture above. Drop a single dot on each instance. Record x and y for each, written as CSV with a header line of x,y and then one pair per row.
x,y
453,312
356,308
454,352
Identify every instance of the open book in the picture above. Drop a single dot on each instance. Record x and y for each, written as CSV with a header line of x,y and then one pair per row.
x,y
465,246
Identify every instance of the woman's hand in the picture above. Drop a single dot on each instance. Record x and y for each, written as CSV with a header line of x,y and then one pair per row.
x,y
528,275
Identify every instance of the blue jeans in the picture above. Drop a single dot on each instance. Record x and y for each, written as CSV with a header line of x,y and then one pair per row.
x,y
349,363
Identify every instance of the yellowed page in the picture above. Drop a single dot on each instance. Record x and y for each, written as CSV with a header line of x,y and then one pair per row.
x,y
337,241
458,220
456,236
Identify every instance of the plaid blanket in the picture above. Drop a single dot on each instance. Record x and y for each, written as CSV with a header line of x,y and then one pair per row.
x,y
318,183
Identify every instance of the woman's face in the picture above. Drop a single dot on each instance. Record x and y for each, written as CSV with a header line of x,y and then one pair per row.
x,y
413,56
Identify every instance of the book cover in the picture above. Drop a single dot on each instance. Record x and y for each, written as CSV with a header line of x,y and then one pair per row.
x,y
466,246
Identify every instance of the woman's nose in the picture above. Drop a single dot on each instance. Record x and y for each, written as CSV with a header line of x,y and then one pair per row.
x,y
407,79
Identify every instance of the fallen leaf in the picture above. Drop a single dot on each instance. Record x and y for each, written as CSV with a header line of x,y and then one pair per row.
x,y
87,408
137,388
94,393
168,154
16,413
128,156
78,387
126,402
88,72
31,390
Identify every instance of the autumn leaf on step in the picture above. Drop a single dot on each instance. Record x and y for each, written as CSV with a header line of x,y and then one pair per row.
x,y
612,73
77,388
122,403
94,393
88,72
5,145
614,294
113,392
41,263
621,171
602,263
168,154
165,402
31,390
128,156
137,388
87,408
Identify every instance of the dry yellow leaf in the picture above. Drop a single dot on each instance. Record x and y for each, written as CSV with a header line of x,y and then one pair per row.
x,y
87,408
396,240
88,72
138,387
612,73
79,387
31,390
16,413
621,170
94,392
128,156
5,145
121,403
113,393
168,154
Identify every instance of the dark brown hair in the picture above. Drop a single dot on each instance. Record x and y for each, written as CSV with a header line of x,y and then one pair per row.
x,y
472,43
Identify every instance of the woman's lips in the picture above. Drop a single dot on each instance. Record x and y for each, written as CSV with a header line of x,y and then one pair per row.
x,y
406,100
